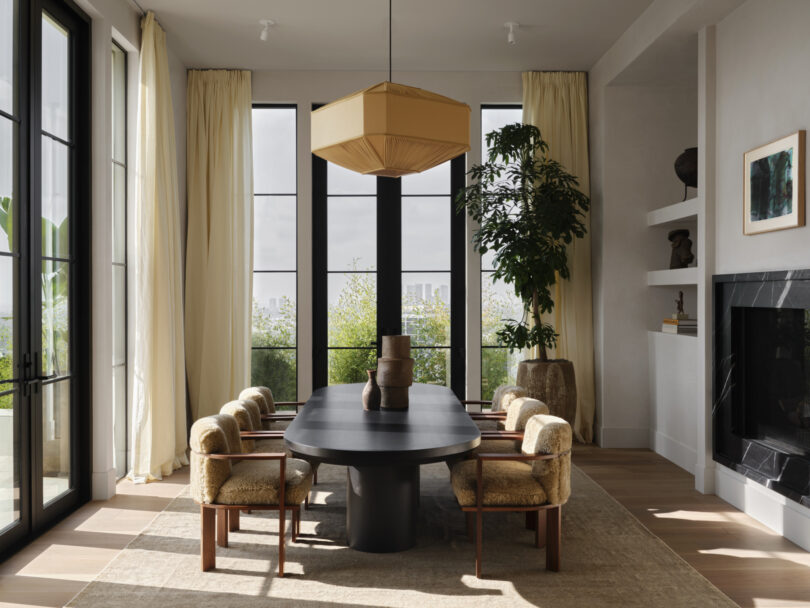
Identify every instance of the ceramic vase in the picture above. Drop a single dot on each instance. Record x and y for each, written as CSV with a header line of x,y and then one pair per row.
x,y
371,392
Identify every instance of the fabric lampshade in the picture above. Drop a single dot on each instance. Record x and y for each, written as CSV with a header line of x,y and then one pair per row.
x,y
391,130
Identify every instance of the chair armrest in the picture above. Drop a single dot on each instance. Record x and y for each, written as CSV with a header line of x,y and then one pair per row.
x,y
261,434
296,404
487,415
253,456
519,457
490,435
278,417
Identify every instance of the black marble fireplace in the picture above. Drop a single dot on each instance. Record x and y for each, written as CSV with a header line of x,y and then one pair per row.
x,y
761,414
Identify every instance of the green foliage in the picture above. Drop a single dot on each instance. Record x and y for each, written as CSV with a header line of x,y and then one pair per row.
x,y
6,367
353,322
529,210
275,368
428,323
7,219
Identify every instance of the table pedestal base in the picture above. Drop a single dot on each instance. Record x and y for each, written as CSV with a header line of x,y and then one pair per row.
x,y
381,508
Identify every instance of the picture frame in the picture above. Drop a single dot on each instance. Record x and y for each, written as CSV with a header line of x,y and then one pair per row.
x,y
773,185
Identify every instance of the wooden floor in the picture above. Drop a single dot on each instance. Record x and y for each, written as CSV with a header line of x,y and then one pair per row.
x,y
751,564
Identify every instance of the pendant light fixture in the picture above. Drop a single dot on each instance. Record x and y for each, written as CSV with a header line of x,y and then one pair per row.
x,y
391,129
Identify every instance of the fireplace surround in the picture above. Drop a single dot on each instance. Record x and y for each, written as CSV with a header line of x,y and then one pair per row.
x,y
761,412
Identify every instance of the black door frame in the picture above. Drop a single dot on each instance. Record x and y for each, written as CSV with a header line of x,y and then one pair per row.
x,y
389,271
34,517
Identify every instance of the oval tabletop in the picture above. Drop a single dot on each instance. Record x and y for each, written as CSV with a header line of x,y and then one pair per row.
x,y
333,427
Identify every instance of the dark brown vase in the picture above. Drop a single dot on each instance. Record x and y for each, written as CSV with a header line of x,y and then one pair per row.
x,y
371,392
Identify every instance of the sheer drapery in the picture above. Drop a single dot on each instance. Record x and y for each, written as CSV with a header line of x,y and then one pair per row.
x,y
557,104
219,250
158,384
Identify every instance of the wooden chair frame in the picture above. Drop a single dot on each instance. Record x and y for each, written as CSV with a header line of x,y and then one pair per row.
x,y
279,416
499,415
217,520
548,518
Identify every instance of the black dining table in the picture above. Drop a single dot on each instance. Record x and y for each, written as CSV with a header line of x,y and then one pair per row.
x,y
382,450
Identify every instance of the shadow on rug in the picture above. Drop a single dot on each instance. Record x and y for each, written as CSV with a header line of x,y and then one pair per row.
x,y
608,559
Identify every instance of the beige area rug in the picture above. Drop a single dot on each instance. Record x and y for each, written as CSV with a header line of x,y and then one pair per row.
x,y
608,559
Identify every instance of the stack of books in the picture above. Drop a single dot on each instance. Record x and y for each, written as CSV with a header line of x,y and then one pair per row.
x,y
686,327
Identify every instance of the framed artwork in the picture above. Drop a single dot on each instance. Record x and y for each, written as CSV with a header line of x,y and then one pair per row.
x,y
773,185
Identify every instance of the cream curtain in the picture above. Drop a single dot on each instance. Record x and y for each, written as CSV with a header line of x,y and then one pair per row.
x,y
158,391
557,104
219,250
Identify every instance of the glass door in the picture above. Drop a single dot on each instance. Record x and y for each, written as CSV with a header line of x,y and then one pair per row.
x,y
44,306
12,447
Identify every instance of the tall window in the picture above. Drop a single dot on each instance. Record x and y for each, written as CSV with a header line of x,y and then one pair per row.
x,y
498,300
119,255
274,344
393,262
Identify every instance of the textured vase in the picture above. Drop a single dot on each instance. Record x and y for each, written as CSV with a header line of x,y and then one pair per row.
x,y
553,383
371,392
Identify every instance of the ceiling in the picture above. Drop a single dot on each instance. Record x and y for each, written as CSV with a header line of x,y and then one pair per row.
x,y
433,35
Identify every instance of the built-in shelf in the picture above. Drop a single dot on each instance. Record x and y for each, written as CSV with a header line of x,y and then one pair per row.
x,y
678,276
685,210
673,335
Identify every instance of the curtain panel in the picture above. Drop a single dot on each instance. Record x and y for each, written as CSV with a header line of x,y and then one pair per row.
x,y
158,379
219,249
557,104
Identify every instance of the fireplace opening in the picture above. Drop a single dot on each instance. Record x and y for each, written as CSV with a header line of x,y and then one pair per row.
x,y
775,355
761,407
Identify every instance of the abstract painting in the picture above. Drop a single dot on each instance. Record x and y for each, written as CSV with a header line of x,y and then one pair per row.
x,y
773,185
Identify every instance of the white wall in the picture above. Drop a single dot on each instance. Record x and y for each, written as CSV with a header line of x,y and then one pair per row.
x,y
307,87
645,129
119,20
763,50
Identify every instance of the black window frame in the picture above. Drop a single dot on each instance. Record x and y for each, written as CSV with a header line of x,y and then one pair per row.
x,y
481,270
295,349
36,517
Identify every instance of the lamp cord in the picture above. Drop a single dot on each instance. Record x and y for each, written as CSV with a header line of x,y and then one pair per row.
x,y
389,40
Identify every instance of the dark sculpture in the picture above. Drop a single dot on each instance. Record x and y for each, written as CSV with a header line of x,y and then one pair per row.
x,y
686,168
682,254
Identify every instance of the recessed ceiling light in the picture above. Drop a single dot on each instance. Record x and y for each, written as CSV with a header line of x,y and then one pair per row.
x,y
266,25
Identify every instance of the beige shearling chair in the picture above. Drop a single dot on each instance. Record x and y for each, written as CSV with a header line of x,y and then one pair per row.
x,y
501,398
251,428
509,440
536,480
225,481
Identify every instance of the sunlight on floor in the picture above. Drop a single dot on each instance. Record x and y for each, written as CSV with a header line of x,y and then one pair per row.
x,y
799,557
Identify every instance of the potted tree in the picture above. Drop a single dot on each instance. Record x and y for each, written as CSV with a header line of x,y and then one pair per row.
x,y
529,209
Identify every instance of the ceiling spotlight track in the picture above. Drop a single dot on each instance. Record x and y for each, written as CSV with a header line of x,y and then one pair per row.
x,y
266,25
511,29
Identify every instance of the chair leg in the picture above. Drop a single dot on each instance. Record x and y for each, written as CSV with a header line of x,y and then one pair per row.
x,y
531,520
470,517
306,502
222,527
294,530
479,528
233,520
540,529
315,477
282,516
208,549
553,538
